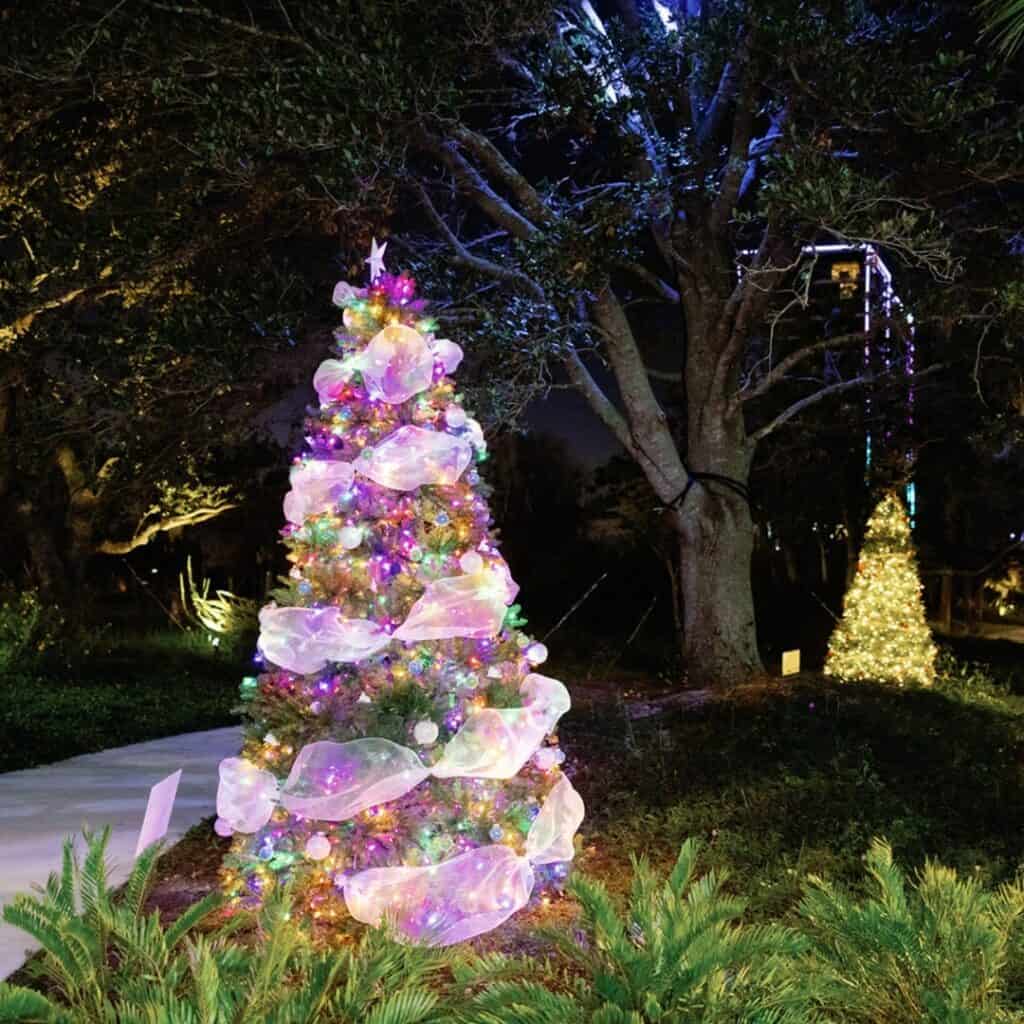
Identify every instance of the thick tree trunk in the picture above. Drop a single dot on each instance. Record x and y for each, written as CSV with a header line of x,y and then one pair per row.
x,y
715,546
714,520
45,567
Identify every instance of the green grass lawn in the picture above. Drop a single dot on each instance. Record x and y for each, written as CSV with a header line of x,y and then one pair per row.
x,y
791,778
134,687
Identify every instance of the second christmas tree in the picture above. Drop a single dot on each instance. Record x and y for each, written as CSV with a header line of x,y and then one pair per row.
x,y
884,635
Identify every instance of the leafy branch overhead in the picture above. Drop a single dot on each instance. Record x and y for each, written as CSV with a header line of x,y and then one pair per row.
x,y
613,196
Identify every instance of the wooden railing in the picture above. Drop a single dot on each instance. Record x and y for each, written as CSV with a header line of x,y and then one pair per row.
x,y
972,581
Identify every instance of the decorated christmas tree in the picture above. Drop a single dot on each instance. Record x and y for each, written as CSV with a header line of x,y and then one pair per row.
x,y
399,756
884,635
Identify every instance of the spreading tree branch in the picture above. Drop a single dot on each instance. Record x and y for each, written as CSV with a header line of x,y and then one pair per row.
x,y
10,332
669,376
779,371
472,182
826,392
491,157
658,284
746,306
736,162
143,535
599,402
713,115
651,439
80,494
235,26
798,407
467,259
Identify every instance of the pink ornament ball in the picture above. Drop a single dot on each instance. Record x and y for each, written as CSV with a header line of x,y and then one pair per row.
x,y
471,562
318,847
536,654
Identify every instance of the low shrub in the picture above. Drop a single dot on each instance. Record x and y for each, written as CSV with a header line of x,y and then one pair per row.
x,y
680,953
932,951
48,716
29,629
112,962
969,679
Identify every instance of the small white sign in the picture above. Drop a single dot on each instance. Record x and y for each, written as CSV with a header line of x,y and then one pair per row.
x,y
158,811
790,662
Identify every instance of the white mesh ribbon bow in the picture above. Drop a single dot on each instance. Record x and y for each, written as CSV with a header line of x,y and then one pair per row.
x,y
328,782
495,743
336,781
472,893
344,293
316,486
446,352
304,640
472,605
330,377
413,456
396,364
246,796
332,781
549,840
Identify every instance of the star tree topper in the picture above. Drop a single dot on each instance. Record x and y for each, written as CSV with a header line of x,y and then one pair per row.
x,y
376,260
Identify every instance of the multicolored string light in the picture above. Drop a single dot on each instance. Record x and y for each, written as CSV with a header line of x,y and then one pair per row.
x,y
371,554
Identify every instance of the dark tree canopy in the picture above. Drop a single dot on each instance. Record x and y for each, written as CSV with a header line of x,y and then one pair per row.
x,y
580,182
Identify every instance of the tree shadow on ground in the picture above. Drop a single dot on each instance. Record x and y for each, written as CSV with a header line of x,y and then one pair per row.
x,y
785,780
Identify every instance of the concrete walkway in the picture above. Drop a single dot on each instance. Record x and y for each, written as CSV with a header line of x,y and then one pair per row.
x,y
39,807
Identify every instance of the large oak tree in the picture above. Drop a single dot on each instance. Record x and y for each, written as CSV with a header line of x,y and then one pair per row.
x,y
617,182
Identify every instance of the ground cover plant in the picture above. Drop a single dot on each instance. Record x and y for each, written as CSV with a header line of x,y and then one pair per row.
x,y
936,948
133,685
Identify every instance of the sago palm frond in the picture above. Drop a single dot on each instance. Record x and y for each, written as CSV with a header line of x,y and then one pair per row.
x,y
191,917
60,886
98,950
29,1007
1004,21
681,952
929,950
69,961
92,877
406,1006
380,977
140,880
528,1002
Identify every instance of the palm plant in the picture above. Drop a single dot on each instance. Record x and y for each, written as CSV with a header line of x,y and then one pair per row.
x,y
282,979
679,955
935,954
104,960
1004,19
93,940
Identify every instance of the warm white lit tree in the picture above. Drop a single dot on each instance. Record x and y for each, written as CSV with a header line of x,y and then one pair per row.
x,y
884,634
